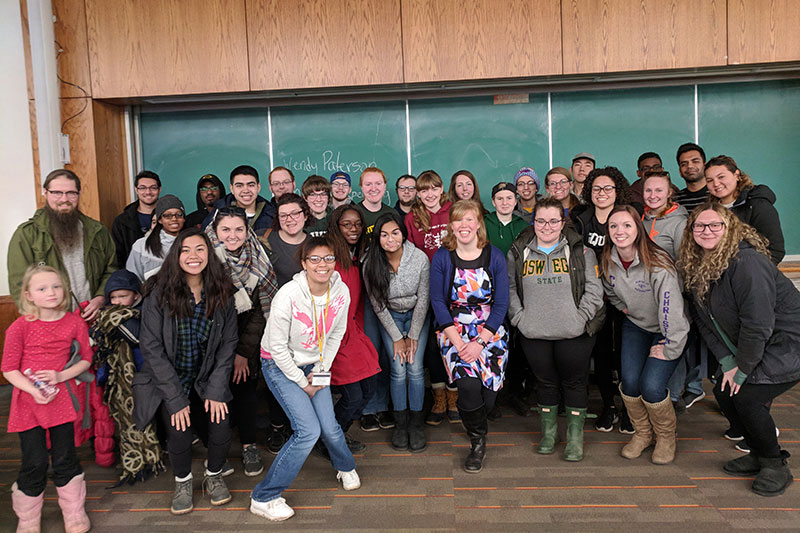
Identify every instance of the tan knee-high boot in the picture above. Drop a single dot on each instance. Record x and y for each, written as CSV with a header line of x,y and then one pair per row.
x,y
643,436
662,417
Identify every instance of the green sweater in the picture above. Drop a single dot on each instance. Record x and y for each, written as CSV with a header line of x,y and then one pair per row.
x,y
32,244
500,235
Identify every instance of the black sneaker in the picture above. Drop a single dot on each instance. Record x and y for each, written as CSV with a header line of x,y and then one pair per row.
x,y
355,446
370,423
227,469
386,420
742,446
732,435
605,422
251,459
625,426
690,398
276,439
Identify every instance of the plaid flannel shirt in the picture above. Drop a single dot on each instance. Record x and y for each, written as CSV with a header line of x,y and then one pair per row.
x,y
193,333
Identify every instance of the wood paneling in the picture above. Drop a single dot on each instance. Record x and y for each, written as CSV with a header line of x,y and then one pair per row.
x,y
478,39
323,43
37,176
761,31
8,314
158,47
80,129
621,35
26,46
72,59
109,141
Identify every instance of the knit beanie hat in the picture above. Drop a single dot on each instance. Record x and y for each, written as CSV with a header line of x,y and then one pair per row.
x,y
168,201
122,280
527,171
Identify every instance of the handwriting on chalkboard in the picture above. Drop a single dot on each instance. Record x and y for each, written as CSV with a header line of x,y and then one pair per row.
x,y
327,162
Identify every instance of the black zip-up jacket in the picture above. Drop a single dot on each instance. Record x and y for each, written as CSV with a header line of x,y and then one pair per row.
x,y
125,230
158,381
755,206
758,308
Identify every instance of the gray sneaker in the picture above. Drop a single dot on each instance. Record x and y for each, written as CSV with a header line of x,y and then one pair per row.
x,y
251,459
182,499
216,488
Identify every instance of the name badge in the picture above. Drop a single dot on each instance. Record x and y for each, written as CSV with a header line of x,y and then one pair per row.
x,y
321,379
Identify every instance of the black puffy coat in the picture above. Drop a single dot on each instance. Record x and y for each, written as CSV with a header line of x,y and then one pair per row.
x,y
755,206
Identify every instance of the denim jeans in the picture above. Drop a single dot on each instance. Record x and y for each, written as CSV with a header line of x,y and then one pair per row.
x,y
413,396
643,375
372,327
688,372
354,396
311,418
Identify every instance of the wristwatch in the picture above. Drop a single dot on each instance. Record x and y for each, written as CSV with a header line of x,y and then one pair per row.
x,y
480,341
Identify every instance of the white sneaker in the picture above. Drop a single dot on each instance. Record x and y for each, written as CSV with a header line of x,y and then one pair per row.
x,y
350,480
275,510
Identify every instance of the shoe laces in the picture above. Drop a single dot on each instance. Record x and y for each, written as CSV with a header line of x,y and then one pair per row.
x,y
212,483
250,454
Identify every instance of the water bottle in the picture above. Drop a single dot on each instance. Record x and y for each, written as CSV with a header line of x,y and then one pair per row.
x,y
46,389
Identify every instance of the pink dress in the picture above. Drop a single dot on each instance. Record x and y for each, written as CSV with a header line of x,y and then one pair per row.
x,y
42,345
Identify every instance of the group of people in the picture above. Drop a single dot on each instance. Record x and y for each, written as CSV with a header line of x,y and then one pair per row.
x,y
341,307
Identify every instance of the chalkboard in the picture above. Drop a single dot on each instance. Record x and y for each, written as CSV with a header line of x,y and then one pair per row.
x,y
182,146
758,125
491,141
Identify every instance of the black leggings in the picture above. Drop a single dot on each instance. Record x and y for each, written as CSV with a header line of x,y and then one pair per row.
x,y
433,359
560,364
33,443
472,395
215,435
748,412
244,408
606,354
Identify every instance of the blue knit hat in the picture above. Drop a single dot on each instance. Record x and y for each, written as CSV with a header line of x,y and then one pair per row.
x,y
122,280
527,171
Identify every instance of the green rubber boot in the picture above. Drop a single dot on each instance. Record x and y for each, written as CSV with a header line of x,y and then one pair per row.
x,y
548,414
574,449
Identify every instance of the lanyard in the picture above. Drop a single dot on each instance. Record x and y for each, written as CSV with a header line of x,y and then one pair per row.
x,y
320,328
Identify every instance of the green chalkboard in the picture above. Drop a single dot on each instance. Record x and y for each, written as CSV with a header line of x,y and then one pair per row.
x,y
491,141
325,139
618,126
182,146
758,124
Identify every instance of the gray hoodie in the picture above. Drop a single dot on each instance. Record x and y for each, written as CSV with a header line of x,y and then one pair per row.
x,y
667,230
548,309
142,262
653,301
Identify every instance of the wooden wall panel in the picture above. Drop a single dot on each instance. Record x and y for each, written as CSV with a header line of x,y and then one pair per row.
x,y
622,35
109,141
8,314
26,46
80,129
479,39
761,31
323,43
159,47
72,59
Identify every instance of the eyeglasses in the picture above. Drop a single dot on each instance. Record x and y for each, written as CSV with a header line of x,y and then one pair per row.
x,y
597,189
526,184
172,216
320,194
340,185
406,188
559,183
648,169
152,188
294,214
553,222
71,195
715,227
351,225
281,184
213,188
315,259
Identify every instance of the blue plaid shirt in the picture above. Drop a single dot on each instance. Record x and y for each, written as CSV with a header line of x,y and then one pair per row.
x,y
193,333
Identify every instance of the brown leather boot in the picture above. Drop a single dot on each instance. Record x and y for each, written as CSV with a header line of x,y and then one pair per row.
x,y
437,412
452,406
643,431
662,417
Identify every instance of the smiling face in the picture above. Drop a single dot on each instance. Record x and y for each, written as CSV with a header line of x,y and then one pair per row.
x,y
232,232
406,190
172,221
558,186
321,271
340,189
194,255
526,188
430,197
209,193
317,203
504,202
62,195
351,226
464,188
647,164
721,183
691,165
245,189
603,197
547,224
711,229
581,168
291,218
147,190
374,187
391,238
280,182
622,230
45,290
656,192
466,228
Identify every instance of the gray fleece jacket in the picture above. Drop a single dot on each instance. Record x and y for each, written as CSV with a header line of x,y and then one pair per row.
x,y
667,230
547,310
653,301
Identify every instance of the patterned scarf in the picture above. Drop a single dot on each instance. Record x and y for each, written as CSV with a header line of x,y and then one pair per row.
x,y
250,270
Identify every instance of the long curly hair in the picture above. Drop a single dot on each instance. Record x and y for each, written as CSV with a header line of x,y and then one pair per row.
x,y
340,246
376,266
419,213
457,212
651,255
623,187
699,267
174,293
744,181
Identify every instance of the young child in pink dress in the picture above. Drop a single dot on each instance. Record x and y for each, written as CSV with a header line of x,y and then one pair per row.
x,y
40,340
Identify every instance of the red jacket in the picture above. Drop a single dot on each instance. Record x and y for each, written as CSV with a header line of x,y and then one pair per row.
x,y
357,358
431,240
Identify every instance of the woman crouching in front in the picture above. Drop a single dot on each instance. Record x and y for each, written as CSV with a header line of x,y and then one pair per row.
x,y
640,280
305,327
749,315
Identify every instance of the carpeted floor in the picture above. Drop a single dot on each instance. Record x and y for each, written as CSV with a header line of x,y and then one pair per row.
x,y
518,489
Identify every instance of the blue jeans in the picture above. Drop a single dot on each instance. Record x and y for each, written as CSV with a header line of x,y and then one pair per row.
x,y
643,375
354,396
415,371
688,372
310,419
372,327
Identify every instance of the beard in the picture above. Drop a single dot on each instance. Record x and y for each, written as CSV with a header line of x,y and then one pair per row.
x,y
65,227
407,204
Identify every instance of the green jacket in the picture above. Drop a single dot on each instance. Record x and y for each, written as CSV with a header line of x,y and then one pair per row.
x,y
32,244
502,236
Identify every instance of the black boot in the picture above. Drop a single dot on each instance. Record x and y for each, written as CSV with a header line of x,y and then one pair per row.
x,y
774,476
747,465
400,433
416,432
477,426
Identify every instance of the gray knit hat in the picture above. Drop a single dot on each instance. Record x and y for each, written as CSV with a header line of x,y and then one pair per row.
x,y
168,201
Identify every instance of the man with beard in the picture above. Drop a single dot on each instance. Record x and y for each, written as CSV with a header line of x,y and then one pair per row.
x,y
60,236
209,189
136,218
691,164
406,194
